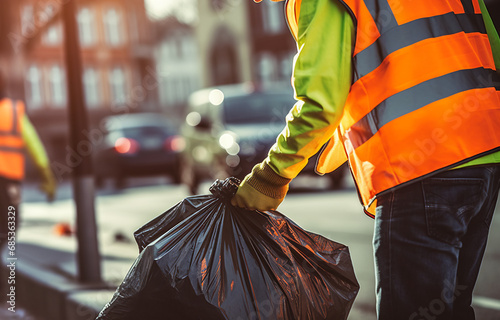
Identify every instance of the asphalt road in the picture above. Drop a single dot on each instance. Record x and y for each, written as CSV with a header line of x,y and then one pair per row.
x,y
334,214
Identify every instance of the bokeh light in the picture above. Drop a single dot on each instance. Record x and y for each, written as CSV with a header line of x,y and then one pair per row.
x,y
193,119
216,97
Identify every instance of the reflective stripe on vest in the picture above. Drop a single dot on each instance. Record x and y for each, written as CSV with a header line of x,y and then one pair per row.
x,y
11,142
425,95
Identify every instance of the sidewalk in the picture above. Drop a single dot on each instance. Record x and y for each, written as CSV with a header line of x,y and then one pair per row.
x,y
46,270
47,283
50,291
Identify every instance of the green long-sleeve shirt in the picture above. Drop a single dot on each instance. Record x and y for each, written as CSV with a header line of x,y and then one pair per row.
x,y
322,77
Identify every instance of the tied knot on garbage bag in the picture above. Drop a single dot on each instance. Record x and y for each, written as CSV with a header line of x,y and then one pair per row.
x,y
204,259
226,189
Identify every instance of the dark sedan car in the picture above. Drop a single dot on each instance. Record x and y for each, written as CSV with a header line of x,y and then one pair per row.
x,y
137,144
231,128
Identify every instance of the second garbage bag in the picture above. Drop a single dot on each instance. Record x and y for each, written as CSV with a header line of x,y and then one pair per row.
x,y
205,259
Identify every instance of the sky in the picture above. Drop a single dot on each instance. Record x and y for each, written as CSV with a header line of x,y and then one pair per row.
x,y
184,9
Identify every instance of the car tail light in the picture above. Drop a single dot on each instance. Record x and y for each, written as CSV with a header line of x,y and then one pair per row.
x,y
126,146
175,143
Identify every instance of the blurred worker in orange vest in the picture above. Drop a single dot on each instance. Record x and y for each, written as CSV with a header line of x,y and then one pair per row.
x,y
408,92
17,134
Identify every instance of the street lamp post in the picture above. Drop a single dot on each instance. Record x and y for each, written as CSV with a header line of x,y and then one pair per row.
x,y
89,269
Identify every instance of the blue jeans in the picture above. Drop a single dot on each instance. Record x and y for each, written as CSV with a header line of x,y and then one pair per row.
x,y
429,241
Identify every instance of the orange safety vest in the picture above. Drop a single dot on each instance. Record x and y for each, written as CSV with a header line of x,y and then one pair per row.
x,y
11,141
425,95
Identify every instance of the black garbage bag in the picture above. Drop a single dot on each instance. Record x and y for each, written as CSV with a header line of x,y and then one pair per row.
x,y
205,259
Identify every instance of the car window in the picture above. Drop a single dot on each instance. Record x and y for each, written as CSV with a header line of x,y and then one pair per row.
x,y
141,132
257,108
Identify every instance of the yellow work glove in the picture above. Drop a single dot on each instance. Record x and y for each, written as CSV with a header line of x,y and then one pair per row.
x,y
262,189
48,185
249,198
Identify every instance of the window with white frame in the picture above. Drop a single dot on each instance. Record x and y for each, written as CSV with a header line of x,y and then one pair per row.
x,y
165,50
191,46
286,66
113,27
53,36
174,90
178,47
117,84
194,83
92,85
57,87
267,68
170,90
166,93
187,88
273,18
87,27
180,89
35,91
185,50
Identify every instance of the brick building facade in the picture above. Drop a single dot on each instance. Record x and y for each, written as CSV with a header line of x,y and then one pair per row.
x,y
119,72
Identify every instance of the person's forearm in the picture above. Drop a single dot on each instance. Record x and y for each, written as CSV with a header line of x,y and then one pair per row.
x,y
322,78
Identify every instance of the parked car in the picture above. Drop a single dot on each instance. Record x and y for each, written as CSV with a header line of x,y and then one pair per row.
x,y
137,144
229,129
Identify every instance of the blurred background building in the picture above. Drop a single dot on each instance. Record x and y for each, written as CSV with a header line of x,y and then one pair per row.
x,y
240,41
116,40
178,64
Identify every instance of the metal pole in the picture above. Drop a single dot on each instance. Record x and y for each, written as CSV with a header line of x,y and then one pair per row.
x,y
89,268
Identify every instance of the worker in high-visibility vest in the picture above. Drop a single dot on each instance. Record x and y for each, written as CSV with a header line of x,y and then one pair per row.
x,y
17,134
409,93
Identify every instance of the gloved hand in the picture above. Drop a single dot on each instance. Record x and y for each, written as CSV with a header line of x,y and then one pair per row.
x,y
48,185
249,198
262,189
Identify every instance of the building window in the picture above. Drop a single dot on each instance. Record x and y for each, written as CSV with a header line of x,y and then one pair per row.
x,y
178,47
172,91
175,91
267,68
164,92
113,28
194,84
52,37
286,66
165,50
187,89
57,86
92,84
273,17
34,78
172,49
191,47
223,62
117,84
86,27
184,47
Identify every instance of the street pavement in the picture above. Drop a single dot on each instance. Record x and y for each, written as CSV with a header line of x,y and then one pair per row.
x,y
334,214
